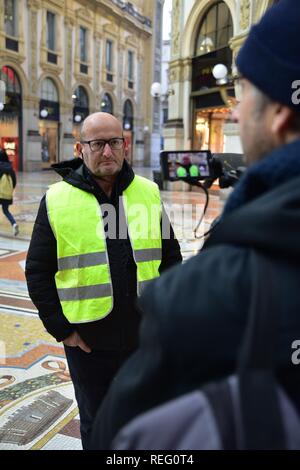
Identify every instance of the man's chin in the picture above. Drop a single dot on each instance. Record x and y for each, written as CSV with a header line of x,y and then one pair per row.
x,y
106,171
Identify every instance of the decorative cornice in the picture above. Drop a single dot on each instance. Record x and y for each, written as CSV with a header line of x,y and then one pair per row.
x,y
7,54
132,41
69,21
108,87
111,29
58,4
49,68
34,4
85,16
180,70
82,78
30,101
128,8
174,124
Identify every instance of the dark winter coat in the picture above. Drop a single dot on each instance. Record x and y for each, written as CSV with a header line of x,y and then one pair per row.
x,y
194,315
7,169
119,330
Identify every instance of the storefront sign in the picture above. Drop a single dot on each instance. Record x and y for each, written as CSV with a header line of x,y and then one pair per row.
x,y
52,108
11,144
202,77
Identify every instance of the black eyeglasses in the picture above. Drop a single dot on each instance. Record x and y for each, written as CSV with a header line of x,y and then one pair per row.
x,y
98,145
239,88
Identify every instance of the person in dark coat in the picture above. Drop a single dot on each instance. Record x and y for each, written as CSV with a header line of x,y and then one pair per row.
x,y
7,185
195,315
94,349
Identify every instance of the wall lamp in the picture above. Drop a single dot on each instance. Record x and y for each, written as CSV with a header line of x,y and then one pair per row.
x,y
156,91
224,80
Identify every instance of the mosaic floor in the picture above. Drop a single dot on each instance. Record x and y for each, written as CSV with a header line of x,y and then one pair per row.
x,y
37,405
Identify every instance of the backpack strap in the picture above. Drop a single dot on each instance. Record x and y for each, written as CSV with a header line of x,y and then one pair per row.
x,y
247,408
262,424
221,401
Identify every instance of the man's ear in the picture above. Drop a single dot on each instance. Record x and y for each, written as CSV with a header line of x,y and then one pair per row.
x,y
126,148
281,119
78,148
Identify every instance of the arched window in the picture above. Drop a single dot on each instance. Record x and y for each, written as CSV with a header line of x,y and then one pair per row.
x,y
11,80
49,90
215,30
106,104
128,115
82,99
81,104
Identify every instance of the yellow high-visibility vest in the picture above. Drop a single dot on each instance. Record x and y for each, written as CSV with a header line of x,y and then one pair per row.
x,y
83,278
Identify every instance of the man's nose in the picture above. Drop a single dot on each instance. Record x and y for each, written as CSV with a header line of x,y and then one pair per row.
x,y
107,150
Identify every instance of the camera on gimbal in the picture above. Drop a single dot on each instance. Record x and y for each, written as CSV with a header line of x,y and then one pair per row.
x,y
195,166
201,168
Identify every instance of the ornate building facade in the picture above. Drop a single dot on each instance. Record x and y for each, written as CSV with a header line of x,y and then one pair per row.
x,y
61,60
205,33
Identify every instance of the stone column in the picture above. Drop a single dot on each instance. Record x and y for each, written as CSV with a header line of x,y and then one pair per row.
x,y
32,56
120,77
97,77
69,24
174,130
67,140
141,148
32,138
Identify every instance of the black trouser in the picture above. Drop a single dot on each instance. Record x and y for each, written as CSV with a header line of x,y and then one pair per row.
x,y
7,213
91,374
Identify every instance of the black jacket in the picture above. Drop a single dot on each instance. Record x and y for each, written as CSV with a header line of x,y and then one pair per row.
x,y
7,169
119,330
194,316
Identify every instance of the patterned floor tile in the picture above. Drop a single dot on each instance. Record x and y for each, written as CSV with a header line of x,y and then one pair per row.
x,y
63,443
35,404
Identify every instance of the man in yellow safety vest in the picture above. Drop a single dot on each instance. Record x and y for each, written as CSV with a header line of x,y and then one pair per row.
x,y
96,243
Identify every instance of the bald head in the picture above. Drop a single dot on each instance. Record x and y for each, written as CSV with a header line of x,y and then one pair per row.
x,y
100,120
107,161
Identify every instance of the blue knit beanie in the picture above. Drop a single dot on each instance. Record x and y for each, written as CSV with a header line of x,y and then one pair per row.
x,y
270,56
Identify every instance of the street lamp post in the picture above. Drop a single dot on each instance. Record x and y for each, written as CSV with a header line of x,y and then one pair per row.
x,y
159,98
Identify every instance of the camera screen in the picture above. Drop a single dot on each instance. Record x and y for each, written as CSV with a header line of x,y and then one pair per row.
x,y
191,164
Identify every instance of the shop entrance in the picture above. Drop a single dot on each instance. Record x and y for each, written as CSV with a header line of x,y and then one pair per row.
x,y
128,129
208,129
49,147
49,123
11,117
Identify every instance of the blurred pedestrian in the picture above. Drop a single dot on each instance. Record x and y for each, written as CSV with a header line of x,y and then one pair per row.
x,y
8,183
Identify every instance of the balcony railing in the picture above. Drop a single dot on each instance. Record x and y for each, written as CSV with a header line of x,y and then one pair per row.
x,y
130,9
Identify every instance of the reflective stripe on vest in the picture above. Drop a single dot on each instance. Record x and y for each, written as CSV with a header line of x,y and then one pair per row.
x,y
83,279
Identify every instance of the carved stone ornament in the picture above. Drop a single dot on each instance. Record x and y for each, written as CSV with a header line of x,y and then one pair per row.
x,y
84,14
245,14
34,4
176,27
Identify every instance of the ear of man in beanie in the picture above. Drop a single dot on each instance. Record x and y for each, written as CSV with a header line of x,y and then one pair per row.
x,y
270,56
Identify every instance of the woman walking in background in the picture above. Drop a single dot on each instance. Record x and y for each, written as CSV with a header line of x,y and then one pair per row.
x,y
7,184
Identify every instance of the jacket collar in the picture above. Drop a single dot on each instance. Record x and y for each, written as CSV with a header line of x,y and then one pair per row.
x,y
76,173
278,167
